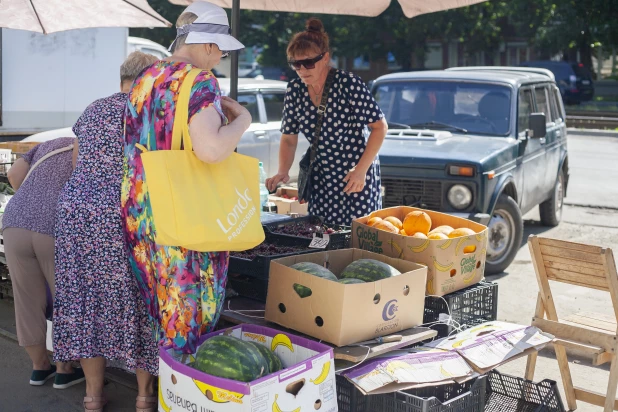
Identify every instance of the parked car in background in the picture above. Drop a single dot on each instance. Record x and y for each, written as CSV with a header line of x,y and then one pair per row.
x,y
272,73
485,143
264,100
573,79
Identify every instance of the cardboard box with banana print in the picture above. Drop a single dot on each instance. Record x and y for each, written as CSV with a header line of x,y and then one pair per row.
x,y
304,381
453,249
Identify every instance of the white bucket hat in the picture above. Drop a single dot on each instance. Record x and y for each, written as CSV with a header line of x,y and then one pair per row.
x,y
211,26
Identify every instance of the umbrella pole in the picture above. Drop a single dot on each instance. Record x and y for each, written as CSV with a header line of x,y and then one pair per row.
x,y
234,68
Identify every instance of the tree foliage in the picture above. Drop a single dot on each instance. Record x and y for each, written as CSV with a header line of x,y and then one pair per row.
x,y
553,26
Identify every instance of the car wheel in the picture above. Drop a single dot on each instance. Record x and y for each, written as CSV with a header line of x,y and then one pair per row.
x,y
504,234
551,209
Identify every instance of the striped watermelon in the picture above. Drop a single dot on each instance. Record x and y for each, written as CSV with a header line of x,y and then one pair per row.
x,y
350,281
231,358
274,363
312,269
369,270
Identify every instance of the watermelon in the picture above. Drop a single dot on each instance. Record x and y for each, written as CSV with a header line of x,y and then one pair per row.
x,y
312,269
274,363
231,358
350,281
369,270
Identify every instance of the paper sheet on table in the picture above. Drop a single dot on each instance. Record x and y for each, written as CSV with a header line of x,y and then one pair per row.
x,y
493,343
409,370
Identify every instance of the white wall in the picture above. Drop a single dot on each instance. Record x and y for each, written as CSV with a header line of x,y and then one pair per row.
x,y
48,80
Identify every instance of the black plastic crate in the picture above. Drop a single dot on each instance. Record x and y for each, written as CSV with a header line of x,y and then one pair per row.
x,y
507,393
248,286
466,397
339,240
350,399
469,307
259,267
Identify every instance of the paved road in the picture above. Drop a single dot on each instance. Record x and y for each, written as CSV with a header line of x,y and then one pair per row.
x,y
594,178
594,182
594,170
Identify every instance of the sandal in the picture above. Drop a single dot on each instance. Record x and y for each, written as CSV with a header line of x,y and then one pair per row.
x,y
101,400
151,400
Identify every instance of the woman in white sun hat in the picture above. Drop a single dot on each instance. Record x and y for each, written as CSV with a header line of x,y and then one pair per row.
x,y
183,289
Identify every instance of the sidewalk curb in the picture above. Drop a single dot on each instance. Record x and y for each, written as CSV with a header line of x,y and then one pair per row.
x,y
593,132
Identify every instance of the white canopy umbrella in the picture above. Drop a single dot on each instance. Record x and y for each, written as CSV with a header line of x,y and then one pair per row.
x,y
369,8
49,16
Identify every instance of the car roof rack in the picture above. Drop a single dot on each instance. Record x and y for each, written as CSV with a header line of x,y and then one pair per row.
x,y
536,70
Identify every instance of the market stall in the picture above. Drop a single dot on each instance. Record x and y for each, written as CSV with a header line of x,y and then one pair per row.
x,y
398,322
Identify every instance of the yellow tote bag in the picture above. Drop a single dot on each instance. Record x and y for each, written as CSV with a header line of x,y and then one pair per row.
x,y
196,205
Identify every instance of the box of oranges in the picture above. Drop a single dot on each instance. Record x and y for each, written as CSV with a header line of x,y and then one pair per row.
x,y
452,248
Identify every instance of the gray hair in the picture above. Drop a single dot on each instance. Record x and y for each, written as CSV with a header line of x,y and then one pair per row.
x,y
134,64
183,19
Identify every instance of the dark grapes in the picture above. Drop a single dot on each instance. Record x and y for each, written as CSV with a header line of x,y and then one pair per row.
x,y
267,249
304,229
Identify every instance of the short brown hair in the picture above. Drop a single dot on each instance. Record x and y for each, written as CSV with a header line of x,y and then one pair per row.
x,y
314,38
135,63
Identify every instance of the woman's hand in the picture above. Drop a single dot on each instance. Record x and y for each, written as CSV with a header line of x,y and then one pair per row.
x,y
272,182
355,179
233,110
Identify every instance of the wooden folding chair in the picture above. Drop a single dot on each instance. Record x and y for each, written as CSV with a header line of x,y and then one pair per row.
x,y
596,335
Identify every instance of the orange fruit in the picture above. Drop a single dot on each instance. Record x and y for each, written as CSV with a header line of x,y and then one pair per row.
x,y
420,235
403,232
386,226
371,222
395,222
417,221
446,229
462,231
437,236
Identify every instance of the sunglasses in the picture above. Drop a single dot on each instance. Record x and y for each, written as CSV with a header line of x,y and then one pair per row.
x,y
307,63
224,54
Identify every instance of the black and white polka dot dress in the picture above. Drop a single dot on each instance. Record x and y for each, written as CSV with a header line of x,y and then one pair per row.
x,y
350,108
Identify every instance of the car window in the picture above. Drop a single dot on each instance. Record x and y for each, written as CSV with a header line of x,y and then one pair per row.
x,y
480,108
558,101
542,105
274,106
524,110
249,101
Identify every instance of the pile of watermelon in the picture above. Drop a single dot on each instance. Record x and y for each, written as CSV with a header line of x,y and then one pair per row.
x,y
359,271
236,359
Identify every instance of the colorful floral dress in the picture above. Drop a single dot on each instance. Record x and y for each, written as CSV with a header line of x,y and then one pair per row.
x,y
183,289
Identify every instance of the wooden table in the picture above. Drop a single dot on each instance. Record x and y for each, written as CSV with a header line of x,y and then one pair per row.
x,y
242,310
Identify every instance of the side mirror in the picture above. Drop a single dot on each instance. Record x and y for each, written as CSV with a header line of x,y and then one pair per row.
x,y
537,124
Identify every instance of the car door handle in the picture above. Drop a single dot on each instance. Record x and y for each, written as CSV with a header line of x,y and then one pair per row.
x,y
260,134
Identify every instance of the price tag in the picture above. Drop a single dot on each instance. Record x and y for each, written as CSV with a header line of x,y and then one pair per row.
x,y
319,242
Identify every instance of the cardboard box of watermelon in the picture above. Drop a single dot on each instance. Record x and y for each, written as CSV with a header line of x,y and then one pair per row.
x,y
361,296
452,248
286,199
243,357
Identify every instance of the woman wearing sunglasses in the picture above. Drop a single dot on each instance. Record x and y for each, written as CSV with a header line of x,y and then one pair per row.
x,y
345,177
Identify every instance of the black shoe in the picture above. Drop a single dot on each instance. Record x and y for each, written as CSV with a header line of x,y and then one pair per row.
x,y
66,380
38,378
